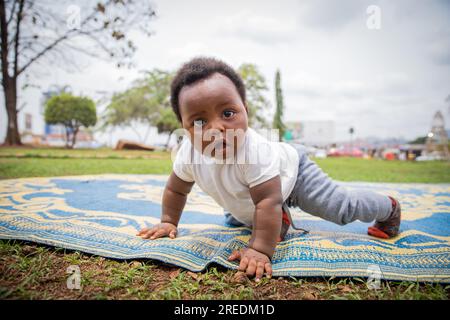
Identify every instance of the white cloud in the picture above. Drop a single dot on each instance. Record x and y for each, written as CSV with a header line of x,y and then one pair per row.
x,y
386,82
189,50
262,29
439,48
330,15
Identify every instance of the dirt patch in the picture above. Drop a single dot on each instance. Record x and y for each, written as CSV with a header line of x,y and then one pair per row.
x,y
31,271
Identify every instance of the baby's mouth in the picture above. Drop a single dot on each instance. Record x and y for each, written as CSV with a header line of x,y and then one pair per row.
x,y
220,144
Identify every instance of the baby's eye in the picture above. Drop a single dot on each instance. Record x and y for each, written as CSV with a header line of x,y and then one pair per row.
x,y
228,113
199,122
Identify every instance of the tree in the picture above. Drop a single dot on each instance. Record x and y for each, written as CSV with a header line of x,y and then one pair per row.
x,y
147,103
32,31
351,131
168,122
257,104
128,109
72,112
419,140
278,117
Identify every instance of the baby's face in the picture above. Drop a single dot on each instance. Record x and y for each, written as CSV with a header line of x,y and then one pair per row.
x,y
213,112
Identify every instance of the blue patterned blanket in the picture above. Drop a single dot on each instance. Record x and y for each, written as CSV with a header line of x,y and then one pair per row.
x,y
101,215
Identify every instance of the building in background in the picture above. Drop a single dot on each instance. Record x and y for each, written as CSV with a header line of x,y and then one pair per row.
x,y
53,135
437,139
27,134
311,133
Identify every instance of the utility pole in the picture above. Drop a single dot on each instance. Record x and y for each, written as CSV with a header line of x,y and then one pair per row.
x,y
351,131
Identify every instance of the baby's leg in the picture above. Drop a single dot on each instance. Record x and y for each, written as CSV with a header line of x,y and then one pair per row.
x,y
229,219
319,195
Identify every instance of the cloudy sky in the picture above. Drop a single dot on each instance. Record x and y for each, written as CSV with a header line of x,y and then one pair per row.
x,y
385,82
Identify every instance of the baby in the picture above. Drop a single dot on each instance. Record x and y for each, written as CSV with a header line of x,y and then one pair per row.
x,y
254,179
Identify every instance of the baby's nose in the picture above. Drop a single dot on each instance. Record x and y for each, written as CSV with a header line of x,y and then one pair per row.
x,y
218,125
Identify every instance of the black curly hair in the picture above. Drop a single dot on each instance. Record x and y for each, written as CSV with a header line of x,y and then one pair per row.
x,y
197,69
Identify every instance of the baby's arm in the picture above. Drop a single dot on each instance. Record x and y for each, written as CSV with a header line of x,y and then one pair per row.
x,y
173,202
266,229
268,216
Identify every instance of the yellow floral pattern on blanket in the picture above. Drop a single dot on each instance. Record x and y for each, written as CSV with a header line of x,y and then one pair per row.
x,y
101,214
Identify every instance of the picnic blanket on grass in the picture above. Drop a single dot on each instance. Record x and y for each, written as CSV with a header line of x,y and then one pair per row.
x,y
101,214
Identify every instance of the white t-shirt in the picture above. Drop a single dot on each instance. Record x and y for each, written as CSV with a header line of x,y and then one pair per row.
x,y
257,160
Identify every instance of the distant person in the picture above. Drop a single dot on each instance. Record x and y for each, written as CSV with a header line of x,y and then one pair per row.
x,y
208,96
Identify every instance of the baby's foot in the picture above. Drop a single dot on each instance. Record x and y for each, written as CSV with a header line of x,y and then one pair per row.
x,y
389,228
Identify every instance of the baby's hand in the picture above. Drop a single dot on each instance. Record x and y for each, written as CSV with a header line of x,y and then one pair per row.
x,y
252,262
158,231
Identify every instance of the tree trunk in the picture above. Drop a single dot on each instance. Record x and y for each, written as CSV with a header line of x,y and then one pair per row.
x,y
74,137
9,83
10,94
137,133
146,133
67,137
168,139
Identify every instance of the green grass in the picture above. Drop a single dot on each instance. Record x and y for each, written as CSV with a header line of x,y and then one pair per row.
x,y
47,163
377,170
34,271
41,167
24,152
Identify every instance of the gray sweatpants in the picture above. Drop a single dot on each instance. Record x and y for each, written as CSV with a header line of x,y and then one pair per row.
x,y
317,194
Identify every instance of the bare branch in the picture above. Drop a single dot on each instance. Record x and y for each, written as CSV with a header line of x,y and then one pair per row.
x,y
57,41
12,13
85,51
102,45
21,107
17,37
40,54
